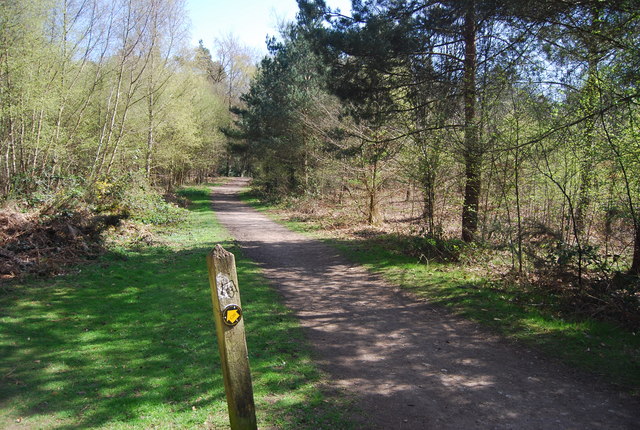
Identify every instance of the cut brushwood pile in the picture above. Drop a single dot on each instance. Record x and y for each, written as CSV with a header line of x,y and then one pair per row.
x,y
31,243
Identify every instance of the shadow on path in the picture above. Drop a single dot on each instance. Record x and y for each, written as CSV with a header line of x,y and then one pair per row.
x,y
409,364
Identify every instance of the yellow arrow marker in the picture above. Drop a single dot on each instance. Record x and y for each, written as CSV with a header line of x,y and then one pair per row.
x,y
232,316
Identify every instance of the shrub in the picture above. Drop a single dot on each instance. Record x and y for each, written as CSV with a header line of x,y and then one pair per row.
x,y
436,248
131,196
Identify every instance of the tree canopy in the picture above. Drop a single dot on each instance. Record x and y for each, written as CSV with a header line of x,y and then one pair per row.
x,y
524,116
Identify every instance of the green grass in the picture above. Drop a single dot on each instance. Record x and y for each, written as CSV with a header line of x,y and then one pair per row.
x,y
599,347
603,349
128,342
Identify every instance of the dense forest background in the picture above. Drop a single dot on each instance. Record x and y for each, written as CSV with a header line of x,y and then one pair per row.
x,y
515,124
494,124
93,90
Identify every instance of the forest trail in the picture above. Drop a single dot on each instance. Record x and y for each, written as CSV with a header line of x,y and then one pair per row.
x,y
408,364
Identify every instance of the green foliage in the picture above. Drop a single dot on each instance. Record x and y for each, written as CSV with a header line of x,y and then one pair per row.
x,y
77,100
132,197
431,248
126,196
151,208
284,106
46,190
565,256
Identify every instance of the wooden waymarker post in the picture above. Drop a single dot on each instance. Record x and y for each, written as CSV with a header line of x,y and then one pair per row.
x,y
227,313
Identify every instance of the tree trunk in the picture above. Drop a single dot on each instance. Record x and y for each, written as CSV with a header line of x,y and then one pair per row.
x,y
518,209
374,208
150,125
306,171
635,265
472,150
428,183
374,217
589,103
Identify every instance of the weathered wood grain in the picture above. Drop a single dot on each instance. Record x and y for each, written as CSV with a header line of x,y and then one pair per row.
x,y
232,344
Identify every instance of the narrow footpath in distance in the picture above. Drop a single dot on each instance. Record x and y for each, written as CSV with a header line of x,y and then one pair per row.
x,y
408,364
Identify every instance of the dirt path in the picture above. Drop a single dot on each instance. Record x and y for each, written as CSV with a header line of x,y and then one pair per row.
x,y
410,365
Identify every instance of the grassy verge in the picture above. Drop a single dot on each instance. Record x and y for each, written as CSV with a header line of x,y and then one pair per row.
x,y
606,350
129,343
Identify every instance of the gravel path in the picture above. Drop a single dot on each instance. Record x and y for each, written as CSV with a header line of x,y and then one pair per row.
x,y
407,364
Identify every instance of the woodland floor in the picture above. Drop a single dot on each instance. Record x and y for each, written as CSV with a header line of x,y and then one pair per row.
x,y
407,363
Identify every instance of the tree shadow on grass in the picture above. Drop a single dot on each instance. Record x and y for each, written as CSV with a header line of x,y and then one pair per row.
x,y
130,342
120,340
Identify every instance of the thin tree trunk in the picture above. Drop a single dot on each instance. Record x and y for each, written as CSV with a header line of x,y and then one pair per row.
x,y
374,207
588,152
12,147
63,73
150,142
518,212
472,152
107,129
428,183
118,139
38,136
635,264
